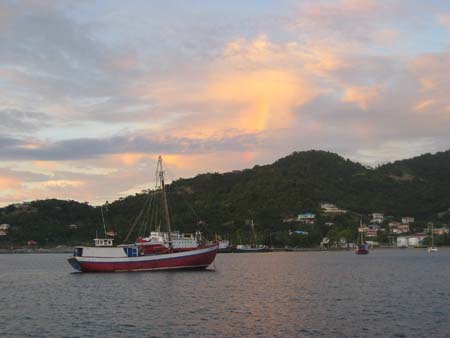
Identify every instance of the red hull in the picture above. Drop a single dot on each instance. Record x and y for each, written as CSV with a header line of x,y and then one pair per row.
x,y
151,249
362,251
189,260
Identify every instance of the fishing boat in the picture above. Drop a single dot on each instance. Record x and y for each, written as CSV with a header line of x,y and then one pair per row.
x,y
104,257
361,247
225,246
432,248
253,247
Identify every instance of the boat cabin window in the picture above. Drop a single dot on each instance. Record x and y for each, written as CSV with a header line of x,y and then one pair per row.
x,y
131,252
103,241
78,252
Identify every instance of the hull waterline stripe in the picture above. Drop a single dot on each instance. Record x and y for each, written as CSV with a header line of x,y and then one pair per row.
x,y
134,260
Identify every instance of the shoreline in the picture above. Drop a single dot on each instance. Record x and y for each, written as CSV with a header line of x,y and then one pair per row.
x,y
64,249
69,250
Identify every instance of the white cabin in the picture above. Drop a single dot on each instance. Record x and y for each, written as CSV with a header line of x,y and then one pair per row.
x,y
102,242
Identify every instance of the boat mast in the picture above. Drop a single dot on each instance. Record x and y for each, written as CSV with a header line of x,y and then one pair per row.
x,y
361,232
103,220
164,198
432,235
253,232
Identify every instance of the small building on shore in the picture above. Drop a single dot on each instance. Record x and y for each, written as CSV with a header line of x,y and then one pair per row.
x,y
411,241
402,242
307,218
4,228
441,231
407,220
72,226
371,230
330,208
377,218
299,232
399,229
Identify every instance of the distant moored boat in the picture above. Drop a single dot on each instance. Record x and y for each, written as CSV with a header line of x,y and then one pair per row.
x,y
249,248
362,247
432,248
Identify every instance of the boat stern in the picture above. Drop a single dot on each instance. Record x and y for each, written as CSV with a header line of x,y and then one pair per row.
x,y
74,263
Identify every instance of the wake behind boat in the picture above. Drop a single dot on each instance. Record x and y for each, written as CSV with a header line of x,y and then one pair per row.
x,y
144,255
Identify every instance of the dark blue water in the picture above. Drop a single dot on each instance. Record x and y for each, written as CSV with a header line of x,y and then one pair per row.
x,y
389,293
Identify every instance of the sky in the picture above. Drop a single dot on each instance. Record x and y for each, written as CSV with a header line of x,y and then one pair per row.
x,y
91,92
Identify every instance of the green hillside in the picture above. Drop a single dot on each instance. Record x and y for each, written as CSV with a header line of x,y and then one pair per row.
x,y
418,187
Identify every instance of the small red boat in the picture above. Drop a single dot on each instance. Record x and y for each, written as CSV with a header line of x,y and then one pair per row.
x,y
362,248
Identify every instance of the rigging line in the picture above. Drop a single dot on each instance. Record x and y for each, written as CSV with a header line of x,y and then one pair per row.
x,y
147,214
146,218
143,218
135,222
140,232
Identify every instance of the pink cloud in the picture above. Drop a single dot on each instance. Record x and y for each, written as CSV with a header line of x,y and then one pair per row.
x,y
444,20
362,96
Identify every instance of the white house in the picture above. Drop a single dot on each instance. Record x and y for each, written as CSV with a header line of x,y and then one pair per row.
x,y
377,218
410,241
413,241
402,242
400,228
330,208
407,220
440,231
4,226
4,229
307,218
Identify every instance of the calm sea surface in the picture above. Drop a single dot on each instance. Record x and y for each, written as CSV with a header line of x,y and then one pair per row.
x,y
389,293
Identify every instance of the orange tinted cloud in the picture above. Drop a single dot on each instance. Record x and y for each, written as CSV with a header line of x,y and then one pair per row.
x,y
362,96
253,86
265,99
423,105
129,159
8,182
50,165
444,20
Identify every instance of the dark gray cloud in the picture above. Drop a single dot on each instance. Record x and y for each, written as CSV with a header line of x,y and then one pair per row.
x,y
14,120
23,175
51,55
82,148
